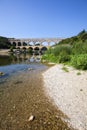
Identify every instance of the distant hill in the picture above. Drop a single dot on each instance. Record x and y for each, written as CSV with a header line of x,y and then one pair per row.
x,y
4,43
81,37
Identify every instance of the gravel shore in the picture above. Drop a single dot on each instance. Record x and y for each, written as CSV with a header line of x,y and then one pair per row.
x,y
68,91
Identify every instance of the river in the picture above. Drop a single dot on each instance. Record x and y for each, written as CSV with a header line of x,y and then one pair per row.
x,y
13,64
22,95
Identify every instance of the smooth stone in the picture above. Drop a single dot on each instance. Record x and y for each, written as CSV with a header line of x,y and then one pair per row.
x,y
31,118
30,69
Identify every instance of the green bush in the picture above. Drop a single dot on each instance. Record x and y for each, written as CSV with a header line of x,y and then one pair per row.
x,y
60,48
78,73
79,61
49,58
58,54
4,43
63,57
65,69
79,48
11,49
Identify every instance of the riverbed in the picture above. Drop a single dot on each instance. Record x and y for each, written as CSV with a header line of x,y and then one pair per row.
x,y
22,95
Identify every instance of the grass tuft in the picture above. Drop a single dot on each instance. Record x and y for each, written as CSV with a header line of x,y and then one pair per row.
x,y
65,69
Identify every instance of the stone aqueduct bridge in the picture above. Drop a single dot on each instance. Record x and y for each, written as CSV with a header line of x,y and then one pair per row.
x,y
27,42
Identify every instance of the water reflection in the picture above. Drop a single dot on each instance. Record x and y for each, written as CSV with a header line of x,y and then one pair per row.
x,y
18,58
17,63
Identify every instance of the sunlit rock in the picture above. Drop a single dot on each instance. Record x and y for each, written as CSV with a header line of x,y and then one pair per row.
x,y
31,118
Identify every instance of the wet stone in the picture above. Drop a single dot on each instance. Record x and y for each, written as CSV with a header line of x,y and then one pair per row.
x,y
1,73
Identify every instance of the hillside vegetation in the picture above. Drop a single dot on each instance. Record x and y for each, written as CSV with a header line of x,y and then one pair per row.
x,y
72,51
4,43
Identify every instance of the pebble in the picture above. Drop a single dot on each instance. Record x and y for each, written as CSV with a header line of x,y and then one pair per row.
x,y
30,69
31,118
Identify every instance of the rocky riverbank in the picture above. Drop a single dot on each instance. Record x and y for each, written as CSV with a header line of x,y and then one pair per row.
x,y
68,91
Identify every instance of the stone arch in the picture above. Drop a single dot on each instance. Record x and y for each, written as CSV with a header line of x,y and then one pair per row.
x,y
31,48
24,44
14,44
18,48
36,48
19,43
37,43
31,43
24,48
45,43
43,49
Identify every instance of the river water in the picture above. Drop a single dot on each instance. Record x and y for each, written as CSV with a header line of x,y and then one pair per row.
x,y
13,64
22,95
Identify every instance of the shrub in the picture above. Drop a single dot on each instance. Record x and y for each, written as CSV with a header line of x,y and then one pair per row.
x,y
78,73
50,58
79,61
49,51
11,49
65,69
63,57
79,48
53,58
57,50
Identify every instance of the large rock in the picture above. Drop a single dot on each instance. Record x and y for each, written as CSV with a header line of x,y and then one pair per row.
x,y
1,73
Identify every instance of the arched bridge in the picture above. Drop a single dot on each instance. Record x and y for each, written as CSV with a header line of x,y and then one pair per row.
x,y
34,43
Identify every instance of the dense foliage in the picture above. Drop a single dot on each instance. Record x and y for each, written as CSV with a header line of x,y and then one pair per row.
x,y
79,61
71,51
4,43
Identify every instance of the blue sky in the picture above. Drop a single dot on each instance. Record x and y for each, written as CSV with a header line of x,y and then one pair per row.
x,y
42,18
